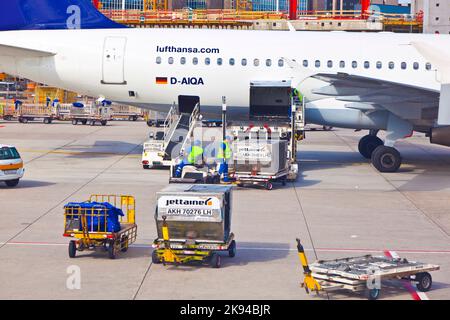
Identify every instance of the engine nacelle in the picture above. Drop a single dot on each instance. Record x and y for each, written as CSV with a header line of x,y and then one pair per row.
x,y
440,136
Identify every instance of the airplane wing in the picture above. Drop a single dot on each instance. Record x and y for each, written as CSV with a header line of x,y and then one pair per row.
x,y
369,95
13,51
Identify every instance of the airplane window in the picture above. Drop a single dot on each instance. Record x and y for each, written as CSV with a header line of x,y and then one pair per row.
x,y
207,61
305,63
281,63
404,65
354,64
428,66
256,62
183,60
195,60
366,64
379,65
158,60
268,62
244,62
416,66
317,64
330,64
170,60
391,65
342,64
231,61
219,61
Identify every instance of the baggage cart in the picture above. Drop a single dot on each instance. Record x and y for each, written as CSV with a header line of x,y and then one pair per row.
x,y
193,224
31,112
363,274
91,226
260,162
90,115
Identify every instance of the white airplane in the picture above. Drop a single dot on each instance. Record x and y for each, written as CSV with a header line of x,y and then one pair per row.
x,y
399,83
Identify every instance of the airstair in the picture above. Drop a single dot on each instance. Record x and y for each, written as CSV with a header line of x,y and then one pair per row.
x,y
178,127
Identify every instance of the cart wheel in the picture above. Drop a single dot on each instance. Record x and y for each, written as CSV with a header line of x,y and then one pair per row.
x,y
424,281
83,122
74,122
155,258
104,123
124,244
24,120
268,185
112,249
72,248
215,261
232,249
373,294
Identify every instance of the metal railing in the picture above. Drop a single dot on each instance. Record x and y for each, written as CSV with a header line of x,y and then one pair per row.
x,y
170,123
192,123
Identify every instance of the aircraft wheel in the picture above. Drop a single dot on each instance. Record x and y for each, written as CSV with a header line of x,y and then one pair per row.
x,y
368,144
386,159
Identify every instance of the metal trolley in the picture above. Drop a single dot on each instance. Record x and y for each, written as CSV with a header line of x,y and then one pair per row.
x,y
358,274
176,252
88,235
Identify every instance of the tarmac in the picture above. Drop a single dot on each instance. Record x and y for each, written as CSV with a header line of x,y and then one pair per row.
x,y
340,206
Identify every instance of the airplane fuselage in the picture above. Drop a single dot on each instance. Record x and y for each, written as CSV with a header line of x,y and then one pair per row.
x,y
152,67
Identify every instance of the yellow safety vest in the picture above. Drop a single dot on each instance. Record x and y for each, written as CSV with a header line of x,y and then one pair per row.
x,y
195,154
228,152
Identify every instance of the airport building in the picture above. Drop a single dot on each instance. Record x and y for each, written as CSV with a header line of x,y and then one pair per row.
x,y
436,15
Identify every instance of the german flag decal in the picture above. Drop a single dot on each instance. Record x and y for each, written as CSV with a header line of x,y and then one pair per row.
x,y
161,80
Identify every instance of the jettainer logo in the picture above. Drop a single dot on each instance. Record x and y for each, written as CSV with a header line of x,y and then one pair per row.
x,y
189,202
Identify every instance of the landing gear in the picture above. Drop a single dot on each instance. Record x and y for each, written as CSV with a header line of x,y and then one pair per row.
x,y
386,159
368,144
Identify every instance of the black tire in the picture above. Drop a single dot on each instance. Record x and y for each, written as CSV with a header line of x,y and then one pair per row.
x,y
268,185
424,281
368,144
146,167
386,159
112,249
155,258
232,249
327,128
24,120
83,122
149,123
46,121
12,183
104,123
124,244
215,261
373,294
74,122
72,249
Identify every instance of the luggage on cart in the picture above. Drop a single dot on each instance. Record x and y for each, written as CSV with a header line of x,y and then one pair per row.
x,y
105,221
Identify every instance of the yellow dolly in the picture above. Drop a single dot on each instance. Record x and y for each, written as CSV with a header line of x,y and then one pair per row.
x,y
181,252
89,225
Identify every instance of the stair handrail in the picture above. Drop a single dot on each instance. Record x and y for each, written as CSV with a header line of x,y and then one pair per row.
x,y
169,126
192,122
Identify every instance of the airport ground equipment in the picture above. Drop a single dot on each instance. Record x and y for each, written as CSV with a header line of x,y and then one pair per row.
x,y
153,154
31,112
363,274
195,174
121,112
265,148
90,115
94,226
193,224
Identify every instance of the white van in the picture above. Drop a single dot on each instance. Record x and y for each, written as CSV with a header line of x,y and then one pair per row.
x,y
11,165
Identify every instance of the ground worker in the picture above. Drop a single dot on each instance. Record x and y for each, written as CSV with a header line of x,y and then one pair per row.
x,y
193,156
223,157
